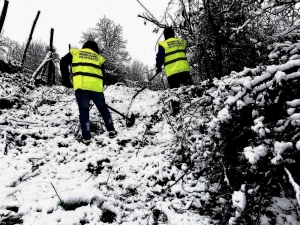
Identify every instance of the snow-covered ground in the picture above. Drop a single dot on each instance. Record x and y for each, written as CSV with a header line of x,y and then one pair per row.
x,y
229,157
45,155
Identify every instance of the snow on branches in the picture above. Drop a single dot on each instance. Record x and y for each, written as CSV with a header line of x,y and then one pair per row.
x,y
242,131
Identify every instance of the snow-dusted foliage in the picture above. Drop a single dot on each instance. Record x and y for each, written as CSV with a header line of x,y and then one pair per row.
x,y
242,134
230,157
12,88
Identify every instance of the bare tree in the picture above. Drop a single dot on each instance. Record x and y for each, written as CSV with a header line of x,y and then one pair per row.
x,y
4,43
35,54
108,36
136,71
227,35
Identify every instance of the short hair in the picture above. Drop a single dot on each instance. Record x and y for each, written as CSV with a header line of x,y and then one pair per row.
x,y
169,32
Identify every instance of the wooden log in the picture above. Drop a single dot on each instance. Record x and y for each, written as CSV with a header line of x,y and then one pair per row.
x,y
50,63
3,14
29,39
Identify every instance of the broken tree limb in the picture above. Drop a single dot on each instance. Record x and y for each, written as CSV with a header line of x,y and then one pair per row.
x,y
29,39
294,184
147,11
24,122
36,73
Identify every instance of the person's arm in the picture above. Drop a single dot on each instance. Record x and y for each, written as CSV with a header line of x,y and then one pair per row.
x,y
160,58
65,62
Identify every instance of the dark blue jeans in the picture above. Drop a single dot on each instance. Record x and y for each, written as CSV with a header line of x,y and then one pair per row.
x,y
174,82
83,98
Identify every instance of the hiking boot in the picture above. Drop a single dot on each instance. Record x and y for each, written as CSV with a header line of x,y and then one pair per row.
x,y
86,142
112,134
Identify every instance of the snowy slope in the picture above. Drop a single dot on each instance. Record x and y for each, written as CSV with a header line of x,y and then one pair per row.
x,y
230,157
41,151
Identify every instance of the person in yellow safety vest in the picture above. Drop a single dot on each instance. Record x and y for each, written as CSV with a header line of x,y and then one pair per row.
x,y
87,72
172,54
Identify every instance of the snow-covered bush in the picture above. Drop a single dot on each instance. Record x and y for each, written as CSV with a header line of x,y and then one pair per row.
x,y
12,89
241,131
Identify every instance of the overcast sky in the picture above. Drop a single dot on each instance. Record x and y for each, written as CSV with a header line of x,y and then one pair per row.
x,y
70,18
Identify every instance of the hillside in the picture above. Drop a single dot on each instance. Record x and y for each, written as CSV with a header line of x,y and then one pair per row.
x,y
230,156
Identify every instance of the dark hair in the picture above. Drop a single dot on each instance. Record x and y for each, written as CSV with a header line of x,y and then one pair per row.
x,y
91,45
169,33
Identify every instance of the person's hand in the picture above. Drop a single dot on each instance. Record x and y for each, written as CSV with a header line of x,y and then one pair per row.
x,y
158,70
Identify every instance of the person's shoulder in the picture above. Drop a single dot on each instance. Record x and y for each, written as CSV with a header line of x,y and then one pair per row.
x,y
67,56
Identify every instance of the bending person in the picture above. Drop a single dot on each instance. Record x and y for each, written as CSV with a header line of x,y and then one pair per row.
x,y
87,71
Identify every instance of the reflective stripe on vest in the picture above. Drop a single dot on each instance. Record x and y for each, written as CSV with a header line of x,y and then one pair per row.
x,y
86,70
175,58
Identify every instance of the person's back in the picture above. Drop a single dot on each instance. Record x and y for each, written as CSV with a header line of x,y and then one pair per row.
x,y
87,70
172,54
175,60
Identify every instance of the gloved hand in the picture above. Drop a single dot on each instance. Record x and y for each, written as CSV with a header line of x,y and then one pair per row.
x,y
158,70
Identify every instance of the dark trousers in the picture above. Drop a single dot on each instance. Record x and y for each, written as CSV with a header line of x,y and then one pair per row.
x,y
83,98
174,81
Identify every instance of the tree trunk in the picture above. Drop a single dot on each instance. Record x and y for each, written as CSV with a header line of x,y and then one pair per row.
x,y
29,39
3,14
217,39
51,77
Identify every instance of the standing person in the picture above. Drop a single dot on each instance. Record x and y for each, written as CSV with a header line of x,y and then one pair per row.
x,y
172,54
87,70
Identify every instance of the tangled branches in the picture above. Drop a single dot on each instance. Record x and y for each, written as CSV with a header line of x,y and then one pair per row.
x,y
238,136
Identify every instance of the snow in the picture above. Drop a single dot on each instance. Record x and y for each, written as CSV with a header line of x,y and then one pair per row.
x,y
292,63
254,154
279,76
224,115
184,218
148,167
259,126
294,103
295,185
279,148
298,145
239,200
55,157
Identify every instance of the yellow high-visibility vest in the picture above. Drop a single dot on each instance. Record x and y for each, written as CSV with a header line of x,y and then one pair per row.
x,y
175,57
86,70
